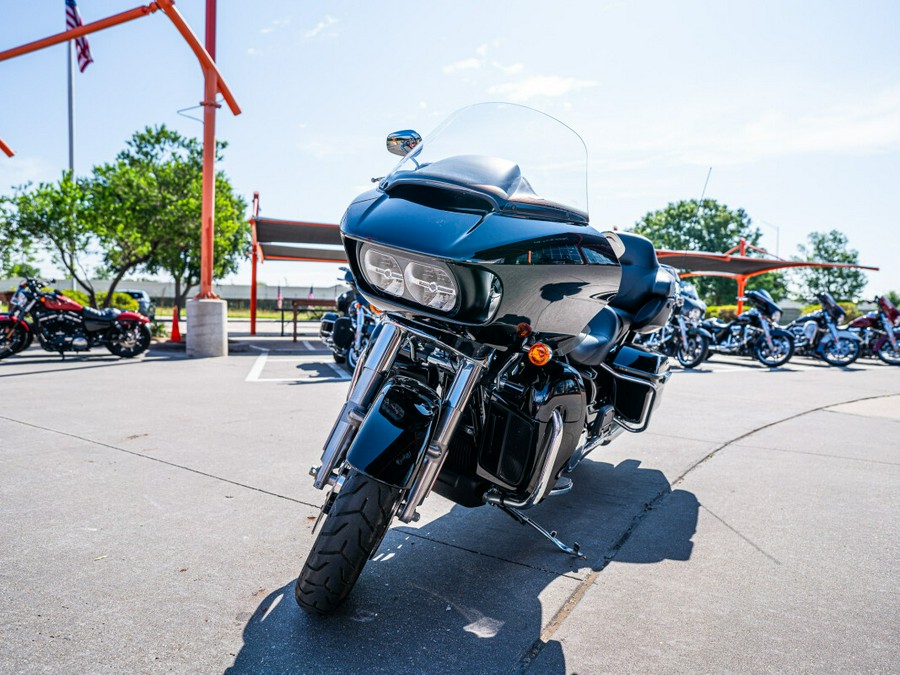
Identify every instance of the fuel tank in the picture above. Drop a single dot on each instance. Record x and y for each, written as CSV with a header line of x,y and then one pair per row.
x,y
550,274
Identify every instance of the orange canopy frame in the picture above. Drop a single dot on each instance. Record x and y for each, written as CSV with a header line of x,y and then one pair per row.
x,y
279,239
213,82
736,264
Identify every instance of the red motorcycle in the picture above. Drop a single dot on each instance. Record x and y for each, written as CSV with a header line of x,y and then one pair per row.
x,y
62,325
878,332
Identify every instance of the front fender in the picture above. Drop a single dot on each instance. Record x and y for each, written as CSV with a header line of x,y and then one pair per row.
x,y
842,334
696,330
9,318
393,437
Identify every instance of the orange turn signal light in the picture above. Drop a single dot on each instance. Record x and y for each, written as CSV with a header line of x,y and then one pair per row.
x,y
523,330
540,354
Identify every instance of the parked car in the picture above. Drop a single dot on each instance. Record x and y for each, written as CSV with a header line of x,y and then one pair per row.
x,y
146,306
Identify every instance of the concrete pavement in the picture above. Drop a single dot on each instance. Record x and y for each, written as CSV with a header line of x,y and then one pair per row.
x,y
155,512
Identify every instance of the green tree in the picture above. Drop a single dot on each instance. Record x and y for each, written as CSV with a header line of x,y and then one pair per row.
x,y
894,297
55,217
175,164
832,247
25,269
711,227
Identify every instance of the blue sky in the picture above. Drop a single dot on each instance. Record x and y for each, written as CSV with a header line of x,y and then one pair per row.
x,y
794,105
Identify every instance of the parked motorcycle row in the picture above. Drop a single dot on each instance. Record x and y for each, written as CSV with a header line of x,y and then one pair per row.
x,y
757,334
62,325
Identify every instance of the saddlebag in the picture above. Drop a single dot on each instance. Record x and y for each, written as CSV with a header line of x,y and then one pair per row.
x,y
635,378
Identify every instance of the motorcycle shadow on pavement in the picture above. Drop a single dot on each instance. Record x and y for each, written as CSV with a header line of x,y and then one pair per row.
x,y
472,590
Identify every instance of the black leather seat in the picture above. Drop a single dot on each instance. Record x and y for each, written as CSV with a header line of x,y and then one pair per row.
x,y
91,314
645,288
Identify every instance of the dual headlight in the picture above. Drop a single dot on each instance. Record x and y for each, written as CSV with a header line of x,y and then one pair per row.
x,y
430,284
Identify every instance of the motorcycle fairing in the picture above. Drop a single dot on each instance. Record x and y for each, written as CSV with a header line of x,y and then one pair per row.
x,y
548,270
394,436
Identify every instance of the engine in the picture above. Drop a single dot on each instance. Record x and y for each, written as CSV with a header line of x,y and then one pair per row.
x,y
63,331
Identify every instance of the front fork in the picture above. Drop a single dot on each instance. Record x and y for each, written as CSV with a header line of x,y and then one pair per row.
x,y
767,331
889,329
367,380
682,324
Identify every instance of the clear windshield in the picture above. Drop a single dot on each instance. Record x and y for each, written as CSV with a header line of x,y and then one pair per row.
x,y
521,159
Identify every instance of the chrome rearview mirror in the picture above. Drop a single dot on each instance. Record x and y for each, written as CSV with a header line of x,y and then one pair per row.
x,y
401,142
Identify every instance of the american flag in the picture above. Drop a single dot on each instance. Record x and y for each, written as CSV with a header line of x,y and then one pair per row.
x,y
279,302
310,296
82,48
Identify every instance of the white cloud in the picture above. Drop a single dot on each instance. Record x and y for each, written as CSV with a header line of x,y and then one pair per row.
x,y
540,85
512,69
277,23
253,51
465,64
324,24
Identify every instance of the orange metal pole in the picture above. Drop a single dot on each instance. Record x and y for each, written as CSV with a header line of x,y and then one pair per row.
x,y
85,29
6,149
741,283
206,57
254,259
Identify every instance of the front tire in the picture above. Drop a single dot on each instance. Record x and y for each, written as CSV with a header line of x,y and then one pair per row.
x,y
129,339
841,353
781,352
887,353
696,353
355,525
14,339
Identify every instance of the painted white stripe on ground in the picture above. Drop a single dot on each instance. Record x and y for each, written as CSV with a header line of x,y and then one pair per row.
x,y
258,365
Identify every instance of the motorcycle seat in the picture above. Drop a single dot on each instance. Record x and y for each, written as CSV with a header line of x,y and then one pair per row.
x,y
100,314
716,324
646,290
601,334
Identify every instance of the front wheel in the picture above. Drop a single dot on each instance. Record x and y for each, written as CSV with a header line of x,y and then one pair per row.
x,y
780,353
887,353
355,525
14,338
696,352
129,338
841,353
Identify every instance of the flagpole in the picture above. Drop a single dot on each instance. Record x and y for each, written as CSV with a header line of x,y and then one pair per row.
x,y
71,111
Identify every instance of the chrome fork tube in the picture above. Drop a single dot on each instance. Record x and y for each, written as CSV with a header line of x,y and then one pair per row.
x,y
367,379
451,411
682,324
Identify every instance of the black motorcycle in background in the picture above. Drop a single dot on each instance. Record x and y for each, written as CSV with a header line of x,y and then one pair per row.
x,y
818,334
683,336
754,333
504,355
348,331
62,325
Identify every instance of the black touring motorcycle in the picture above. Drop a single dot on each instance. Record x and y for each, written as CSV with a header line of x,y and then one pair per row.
x,y
753,333
347,332
505,353
683,336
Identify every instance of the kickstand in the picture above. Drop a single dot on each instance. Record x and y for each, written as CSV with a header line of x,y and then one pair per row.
x,y
520,517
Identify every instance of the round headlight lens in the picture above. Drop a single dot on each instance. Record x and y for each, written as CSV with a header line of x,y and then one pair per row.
x,y
431,286
776,316
695,314
383,272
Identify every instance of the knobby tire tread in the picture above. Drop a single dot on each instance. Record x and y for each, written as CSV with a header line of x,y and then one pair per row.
x,y
355,525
